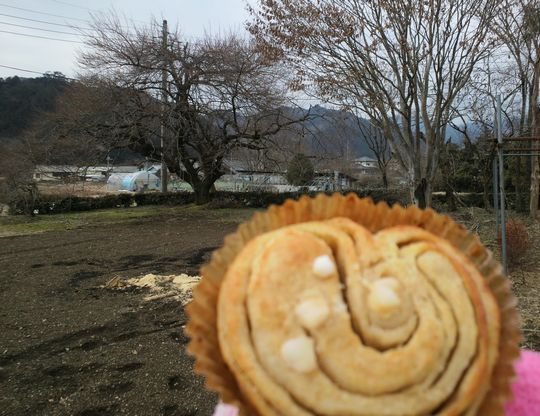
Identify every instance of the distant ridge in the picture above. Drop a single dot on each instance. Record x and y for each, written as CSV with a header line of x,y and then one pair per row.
x,y
23,99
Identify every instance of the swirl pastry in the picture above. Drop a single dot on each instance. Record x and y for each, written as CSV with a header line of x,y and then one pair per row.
x,y
328,317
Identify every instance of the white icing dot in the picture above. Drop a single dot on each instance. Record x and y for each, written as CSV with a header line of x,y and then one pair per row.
x,y
382,297
338,305
390,282
299,354
312,312
323,266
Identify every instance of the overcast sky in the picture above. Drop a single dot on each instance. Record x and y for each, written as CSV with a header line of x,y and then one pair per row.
x,y
194,17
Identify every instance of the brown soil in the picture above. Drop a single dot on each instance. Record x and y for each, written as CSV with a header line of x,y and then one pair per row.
x,y
69,347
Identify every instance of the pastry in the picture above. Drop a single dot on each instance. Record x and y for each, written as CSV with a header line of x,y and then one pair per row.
x,y
323,316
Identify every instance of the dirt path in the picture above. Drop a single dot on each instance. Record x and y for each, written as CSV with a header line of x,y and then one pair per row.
x,y
68,347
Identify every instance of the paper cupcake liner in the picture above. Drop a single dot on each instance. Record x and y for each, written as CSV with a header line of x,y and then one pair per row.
x,y
202,325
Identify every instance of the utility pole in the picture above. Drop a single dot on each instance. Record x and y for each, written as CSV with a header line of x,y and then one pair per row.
x,y
501,184
108,163
163,106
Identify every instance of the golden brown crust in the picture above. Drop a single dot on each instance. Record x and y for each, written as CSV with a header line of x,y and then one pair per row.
x,y
443,366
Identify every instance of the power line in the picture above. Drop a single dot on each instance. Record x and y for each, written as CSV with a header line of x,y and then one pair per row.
x,y
44,30
30,71
40,37
43,13
21,69
60,24
43,21
75,5
89,9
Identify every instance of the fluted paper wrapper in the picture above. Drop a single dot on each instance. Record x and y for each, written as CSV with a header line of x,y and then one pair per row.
x,y
202,326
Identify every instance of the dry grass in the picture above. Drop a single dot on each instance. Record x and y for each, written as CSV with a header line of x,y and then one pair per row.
x,y
170,287
524,275
81,189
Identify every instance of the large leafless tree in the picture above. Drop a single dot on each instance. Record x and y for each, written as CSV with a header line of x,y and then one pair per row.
x,y
518,29
378,143
221,94
404,62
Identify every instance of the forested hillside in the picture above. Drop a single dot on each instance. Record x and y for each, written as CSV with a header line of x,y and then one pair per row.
x,y
23,99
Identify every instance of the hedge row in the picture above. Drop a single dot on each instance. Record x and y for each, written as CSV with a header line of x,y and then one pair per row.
x,y
49,204
55,204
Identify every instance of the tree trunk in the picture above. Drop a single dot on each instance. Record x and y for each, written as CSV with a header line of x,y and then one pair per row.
x,y
535,170
422,194
518,186
522,171
428,194
412,194
535,188
384,179
203,193
451,204
486,197
416,184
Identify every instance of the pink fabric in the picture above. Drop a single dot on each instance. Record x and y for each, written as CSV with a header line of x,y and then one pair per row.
x,y
526,387
223,409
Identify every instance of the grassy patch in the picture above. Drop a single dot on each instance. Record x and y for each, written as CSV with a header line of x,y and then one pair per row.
x,y
22,225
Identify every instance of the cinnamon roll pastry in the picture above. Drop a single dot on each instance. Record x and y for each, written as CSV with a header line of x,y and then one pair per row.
x,y
328,317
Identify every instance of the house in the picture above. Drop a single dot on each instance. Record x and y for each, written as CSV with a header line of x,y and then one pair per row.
x,y
365,162
241,177
332,181
244,179
365,165
124,169
79,173
57,173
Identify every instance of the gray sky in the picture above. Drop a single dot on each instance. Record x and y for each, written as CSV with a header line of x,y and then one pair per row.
x,y
193,17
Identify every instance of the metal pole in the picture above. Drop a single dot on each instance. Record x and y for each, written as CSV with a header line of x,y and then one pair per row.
x,y
496,195
163,108
522,154
501,185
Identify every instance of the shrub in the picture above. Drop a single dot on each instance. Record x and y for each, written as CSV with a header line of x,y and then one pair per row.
x,y
22,199
54,204
300,170
518,241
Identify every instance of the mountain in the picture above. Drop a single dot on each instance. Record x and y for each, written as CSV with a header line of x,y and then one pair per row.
x,y
328,133
338,133
23,99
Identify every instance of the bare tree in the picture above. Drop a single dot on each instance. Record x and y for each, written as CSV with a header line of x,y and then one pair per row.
x,y
518,29
480,144
68,138
349,124
222,94
403,62
17,186
379,145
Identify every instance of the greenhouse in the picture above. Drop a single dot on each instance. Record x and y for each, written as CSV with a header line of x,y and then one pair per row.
x,y
135,182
